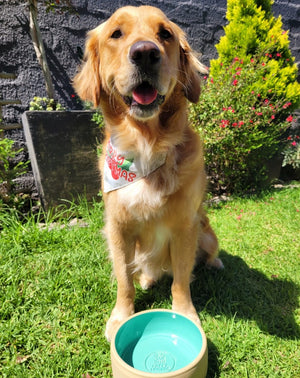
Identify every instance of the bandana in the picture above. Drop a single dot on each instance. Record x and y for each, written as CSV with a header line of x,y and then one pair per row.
x,y
123,168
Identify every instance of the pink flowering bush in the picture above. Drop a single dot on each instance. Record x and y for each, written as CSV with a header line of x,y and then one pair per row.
x,y
241,128
245,112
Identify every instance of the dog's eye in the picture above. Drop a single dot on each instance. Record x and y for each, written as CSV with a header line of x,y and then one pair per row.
x,y
164,34
116,34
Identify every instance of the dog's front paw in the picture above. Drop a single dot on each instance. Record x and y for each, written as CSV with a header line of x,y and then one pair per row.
x,y
112,325
190,313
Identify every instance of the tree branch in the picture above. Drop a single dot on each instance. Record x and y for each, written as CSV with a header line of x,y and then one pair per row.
x,y
39,47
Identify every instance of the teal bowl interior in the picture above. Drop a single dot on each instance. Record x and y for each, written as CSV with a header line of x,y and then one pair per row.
x,y
158,342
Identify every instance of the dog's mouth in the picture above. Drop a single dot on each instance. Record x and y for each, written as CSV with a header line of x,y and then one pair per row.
x,y
144,99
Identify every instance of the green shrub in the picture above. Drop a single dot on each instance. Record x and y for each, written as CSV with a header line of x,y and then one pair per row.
x,y
8,172
245,108
240,128
292,151
254,32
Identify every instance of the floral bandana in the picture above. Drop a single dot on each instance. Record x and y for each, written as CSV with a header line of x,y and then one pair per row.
x,y
123,168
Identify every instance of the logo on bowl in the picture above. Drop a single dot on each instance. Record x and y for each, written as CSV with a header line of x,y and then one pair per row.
x,y
160,362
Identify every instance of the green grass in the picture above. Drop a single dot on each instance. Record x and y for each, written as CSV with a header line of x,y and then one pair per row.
x,y
56,293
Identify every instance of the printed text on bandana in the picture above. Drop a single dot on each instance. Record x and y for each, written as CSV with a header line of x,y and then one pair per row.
x,y
122,168
118,165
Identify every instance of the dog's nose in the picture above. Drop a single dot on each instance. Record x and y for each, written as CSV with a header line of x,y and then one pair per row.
x,y
144,54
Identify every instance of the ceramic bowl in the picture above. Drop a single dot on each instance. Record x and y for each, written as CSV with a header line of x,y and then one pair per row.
x,y
159,343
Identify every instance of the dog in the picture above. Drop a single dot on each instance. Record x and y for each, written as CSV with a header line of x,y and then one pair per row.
x,y
140,70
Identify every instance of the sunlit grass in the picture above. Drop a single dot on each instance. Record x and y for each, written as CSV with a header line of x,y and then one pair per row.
x,y
56,292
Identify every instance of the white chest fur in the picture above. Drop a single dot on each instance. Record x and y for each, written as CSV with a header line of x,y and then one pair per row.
x,y
141,200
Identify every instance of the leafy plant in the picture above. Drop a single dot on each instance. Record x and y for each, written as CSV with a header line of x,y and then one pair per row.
x,y
9,171
97,116
44,103
240,128
245,108
292,152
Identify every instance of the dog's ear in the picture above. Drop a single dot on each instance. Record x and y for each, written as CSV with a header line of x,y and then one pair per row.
x,y
191,68
87,82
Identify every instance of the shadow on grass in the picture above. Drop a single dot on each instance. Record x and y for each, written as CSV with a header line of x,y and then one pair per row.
x,y
246,293
237,291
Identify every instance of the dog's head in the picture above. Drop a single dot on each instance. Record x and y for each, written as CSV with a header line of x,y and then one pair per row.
x,y
137,57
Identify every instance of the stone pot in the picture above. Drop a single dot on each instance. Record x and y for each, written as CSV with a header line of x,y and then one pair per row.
x,y
62,148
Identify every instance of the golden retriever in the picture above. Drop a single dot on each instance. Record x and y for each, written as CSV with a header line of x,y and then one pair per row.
x,y
140,70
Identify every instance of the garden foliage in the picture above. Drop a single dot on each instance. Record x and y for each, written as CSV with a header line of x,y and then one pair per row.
x,y
244,114
9,172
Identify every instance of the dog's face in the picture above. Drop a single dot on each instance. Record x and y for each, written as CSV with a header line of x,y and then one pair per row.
x,y
137,57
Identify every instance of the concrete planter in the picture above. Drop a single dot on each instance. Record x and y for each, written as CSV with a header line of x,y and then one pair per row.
x,y
62,149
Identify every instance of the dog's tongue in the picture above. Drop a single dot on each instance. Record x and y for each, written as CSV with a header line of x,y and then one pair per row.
x,y
144,94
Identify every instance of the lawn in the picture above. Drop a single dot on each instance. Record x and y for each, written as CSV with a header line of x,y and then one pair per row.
x,y
56,292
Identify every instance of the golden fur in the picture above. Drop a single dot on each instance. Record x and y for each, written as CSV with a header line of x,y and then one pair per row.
x,y
156,225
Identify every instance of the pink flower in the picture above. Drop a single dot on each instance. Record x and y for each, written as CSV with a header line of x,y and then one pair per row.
x,y
289,118
259,113
278,55
234,82
234,124
252,60
263,64
241,123
286,105
224,123
294,143
272,116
